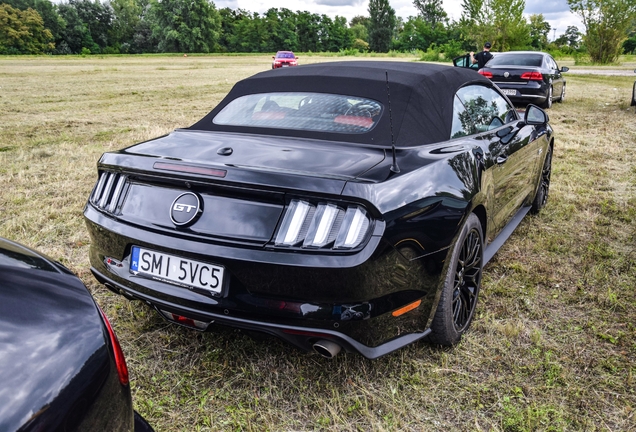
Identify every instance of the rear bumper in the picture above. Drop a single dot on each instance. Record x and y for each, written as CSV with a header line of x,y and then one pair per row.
x,y
300,336
533,91
346,299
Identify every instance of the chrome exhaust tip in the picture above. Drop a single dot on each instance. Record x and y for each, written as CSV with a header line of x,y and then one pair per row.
x,y
327,348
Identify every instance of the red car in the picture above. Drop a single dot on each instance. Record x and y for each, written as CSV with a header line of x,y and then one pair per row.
x,y
284,59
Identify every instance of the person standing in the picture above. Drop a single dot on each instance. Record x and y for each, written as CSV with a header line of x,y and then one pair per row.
x,y
482,57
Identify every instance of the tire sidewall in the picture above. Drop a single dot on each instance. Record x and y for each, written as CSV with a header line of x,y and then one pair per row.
x,y
443,320
540,199
562,98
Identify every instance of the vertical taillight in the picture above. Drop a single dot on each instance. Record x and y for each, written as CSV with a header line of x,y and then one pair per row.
x,y
321,225
120,360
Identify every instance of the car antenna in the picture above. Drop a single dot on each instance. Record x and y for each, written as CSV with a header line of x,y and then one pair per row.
x,y
394,166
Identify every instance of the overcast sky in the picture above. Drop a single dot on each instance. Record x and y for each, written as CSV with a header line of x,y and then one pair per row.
x,y
556,12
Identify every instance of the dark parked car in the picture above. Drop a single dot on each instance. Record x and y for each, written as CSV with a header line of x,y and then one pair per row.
x,y
634,93
527,77
284,59
343,205
62,366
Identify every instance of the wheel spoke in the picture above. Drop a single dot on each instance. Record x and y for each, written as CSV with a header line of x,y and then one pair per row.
x,y
467,278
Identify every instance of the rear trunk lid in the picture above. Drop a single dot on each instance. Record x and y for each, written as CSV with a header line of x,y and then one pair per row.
x,y
243,181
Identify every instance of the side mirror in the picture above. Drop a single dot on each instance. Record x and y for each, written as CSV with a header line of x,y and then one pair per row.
x,y
274,57
565,69
535,116
296,57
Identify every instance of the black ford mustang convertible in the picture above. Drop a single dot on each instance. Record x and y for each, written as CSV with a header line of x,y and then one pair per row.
x,y
337,206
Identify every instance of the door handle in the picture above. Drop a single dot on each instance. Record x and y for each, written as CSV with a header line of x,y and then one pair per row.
x,y
502,160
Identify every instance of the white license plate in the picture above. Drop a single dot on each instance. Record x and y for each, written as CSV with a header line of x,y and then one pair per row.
x,y
176,270
509,92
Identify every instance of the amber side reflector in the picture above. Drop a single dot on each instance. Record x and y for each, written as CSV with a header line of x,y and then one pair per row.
x,y
407,308
189,169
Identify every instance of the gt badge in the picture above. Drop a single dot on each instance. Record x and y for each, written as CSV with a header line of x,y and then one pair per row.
x,y
185,209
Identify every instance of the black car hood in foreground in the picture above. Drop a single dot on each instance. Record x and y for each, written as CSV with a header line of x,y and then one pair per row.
x,y
53,350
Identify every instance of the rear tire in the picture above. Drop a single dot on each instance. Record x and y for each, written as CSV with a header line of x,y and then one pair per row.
x,y
562,98
458,300
548,100
541,198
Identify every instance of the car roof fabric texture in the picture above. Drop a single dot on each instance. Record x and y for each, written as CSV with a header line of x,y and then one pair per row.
x,y
421,97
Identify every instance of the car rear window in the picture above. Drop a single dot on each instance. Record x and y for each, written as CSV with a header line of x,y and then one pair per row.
x,y
533,60
318,112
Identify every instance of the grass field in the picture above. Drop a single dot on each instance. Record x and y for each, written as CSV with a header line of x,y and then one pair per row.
x,y
553,346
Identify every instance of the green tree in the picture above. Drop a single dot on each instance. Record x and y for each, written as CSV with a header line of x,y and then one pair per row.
x,y
417,34
340,35
500,22
127,16
98,19
285,37
381,25
607,23
359,19
23,32
539,30
570,39
359,31
431,11
47,11
308,30
75,36
185,25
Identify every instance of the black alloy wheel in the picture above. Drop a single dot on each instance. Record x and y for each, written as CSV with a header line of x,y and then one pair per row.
x,y
541,198
548,99
458,300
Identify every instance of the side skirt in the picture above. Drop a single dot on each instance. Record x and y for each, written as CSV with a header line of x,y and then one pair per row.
x,y
494,246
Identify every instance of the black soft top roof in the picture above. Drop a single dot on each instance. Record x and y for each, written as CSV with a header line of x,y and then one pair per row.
x,y
421,98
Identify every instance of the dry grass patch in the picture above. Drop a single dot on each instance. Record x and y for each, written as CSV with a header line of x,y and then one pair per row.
x,y
554,343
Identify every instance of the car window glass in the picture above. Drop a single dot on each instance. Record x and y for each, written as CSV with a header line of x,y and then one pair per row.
x,y
534,60
487,109
463,123
302,111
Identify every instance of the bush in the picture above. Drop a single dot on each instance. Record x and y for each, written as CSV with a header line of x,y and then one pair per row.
x,y
62,48
558,54
110,50
360,45
431,54
582,58
452,49
348,52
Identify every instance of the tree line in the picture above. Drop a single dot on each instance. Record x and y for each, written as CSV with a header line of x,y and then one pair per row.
x,y
197,26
